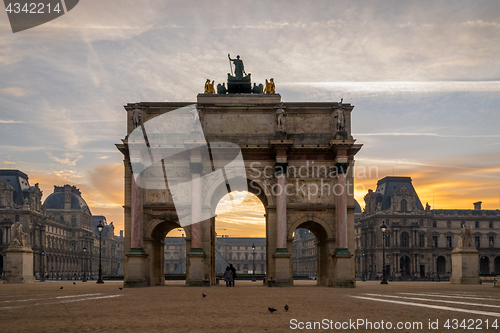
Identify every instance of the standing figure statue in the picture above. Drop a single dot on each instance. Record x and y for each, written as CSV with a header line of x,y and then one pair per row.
x,y
465,237
136,116
281,118
270,87
18,236
340,126
239,69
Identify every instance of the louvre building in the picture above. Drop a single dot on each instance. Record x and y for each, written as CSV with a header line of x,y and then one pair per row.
x,y
419,240
62,232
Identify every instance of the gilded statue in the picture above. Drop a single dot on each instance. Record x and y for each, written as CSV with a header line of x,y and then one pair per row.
x,y
209,87
270,87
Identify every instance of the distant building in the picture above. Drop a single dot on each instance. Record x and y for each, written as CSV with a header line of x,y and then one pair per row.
x,y
58,231
419,240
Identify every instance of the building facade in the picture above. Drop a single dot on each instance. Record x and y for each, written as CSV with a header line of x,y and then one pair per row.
x,y
61,233
418,239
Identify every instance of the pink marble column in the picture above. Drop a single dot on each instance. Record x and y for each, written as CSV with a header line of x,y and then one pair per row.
x,y
136,214
195,210
342,211
281,210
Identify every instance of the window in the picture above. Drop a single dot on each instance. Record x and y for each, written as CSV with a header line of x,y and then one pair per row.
x,y
404,205
491,241
17,218
448,241
421,240
404,222
434,241
387,240
491,224
477,241
448,224
434,224
476,224
421,222
404,239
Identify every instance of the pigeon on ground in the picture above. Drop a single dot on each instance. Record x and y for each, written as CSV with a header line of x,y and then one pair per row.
x,y
286,307
120,288
203,294
271,309
74,283
61,288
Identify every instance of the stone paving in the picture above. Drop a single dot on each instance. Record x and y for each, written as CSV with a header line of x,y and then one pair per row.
x,y
89,307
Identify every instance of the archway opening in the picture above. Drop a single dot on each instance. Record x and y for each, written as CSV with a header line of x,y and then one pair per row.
x,y
175,255
484,265
310,252
305,263
240,236
404,267
497,265
441,266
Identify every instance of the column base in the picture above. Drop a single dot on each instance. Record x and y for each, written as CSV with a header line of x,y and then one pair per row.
x,y
196,269
282,266
19,265
342,263
136,268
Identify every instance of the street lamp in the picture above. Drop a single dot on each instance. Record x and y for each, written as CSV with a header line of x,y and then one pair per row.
x,y
253,260
383,227
99,228
363,277
42,278
84,261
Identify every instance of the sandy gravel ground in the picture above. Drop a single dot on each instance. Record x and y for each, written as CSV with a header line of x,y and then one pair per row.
x,y
88,307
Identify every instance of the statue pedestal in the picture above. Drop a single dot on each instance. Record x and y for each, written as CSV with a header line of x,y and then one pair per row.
x,y
465,266
19,265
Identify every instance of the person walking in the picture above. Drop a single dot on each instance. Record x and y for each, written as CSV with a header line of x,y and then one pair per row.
x,y
228,276
231,267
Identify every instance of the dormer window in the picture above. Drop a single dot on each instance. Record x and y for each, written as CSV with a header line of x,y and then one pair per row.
x,y
404,205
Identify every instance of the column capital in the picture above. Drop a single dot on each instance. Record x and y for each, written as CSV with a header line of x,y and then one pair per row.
x,y
341,168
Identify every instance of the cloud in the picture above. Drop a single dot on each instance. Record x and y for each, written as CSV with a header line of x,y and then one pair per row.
x,y
14,91
69,159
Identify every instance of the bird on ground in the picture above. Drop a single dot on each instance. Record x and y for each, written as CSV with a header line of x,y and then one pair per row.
x,y
61,288
203,294
271,309
74,283
120,288
286,307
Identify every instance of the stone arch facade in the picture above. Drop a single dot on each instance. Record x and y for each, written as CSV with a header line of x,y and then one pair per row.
x,y
318,197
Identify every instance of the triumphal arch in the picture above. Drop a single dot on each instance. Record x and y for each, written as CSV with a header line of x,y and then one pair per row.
x,y
181,158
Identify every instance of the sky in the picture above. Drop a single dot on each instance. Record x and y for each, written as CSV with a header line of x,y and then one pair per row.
x,y
423,76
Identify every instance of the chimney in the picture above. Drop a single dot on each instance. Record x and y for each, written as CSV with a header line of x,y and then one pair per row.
x,y
477,205
67,197
121,233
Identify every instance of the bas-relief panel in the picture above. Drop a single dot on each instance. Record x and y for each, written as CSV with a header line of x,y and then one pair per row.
x,y
158,196
311,192
238,123
308,123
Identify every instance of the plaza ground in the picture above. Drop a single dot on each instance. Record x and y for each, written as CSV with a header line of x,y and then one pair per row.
x,y
89,307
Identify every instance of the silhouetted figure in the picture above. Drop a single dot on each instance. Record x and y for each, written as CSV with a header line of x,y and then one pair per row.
x,y
203,294
286,307
272,309
228,276
234,272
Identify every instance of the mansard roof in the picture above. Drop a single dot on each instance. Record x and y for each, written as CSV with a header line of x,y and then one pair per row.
x,y
18,181
389,185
